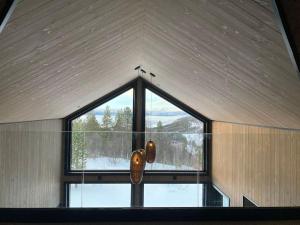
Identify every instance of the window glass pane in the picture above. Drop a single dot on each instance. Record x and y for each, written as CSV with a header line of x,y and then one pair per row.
x,y
100,195
214,197
224,199
177,134
173,195
101,138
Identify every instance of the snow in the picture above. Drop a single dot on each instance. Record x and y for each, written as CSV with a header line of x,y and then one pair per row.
x,y
109,163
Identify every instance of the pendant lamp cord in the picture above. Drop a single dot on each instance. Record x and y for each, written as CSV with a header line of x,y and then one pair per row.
x,y
151,77
151,125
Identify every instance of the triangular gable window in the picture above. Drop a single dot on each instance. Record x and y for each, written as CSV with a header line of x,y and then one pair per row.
x,y
102,135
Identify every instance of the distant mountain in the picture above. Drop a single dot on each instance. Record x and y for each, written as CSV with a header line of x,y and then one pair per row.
x,y
154,113
158,113
186,124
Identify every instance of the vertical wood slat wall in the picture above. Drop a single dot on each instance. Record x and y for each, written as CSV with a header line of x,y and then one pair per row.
x,y
263,164
30,164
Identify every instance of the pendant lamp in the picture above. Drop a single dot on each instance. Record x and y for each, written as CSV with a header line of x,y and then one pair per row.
x,y
141,156
137,165
150,151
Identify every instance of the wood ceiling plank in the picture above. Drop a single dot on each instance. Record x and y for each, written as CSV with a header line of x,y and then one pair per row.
x,y
251,95
224,58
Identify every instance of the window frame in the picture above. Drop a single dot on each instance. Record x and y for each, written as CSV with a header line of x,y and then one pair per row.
x,y
139,86
68,129
206,127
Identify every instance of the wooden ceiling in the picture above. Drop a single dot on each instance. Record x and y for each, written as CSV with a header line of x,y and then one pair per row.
x,y
224,58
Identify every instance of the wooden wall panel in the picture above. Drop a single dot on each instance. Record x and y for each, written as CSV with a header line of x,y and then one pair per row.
x,y
30,164
263,164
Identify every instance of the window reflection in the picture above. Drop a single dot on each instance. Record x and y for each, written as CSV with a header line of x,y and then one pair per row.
x,y
101,138
173,195
99,195
177,134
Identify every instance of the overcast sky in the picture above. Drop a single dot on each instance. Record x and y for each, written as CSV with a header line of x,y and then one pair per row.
x,y
126,100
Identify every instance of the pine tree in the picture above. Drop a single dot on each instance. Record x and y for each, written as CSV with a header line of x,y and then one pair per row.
x,y
159,126
119,120
127,118
79,153
107,126
91,122
107,120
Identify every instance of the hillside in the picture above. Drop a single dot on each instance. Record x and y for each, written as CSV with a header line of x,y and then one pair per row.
x,y
186,124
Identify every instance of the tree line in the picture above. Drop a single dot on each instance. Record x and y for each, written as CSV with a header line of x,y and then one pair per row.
x,y
91,139
112,138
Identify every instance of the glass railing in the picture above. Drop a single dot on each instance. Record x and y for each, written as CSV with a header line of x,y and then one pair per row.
x,y
175,151
48,169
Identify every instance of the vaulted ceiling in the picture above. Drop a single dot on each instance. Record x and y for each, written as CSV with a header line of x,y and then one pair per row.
x,y
224,58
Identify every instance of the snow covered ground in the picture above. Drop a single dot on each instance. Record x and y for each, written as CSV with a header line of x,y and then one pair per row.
x,y
108,163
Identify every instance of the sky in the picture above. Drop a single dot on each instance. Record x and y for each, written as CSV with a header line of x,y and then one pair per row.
x,y
126,100
157,108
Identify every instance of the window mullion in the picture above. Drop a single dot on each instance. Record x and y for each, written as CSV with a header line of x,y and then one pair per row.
x,y
138,137
139,114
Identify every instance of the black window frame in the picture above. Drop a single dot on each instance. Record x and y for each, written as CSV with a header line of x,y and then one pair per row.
x,y
139,86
